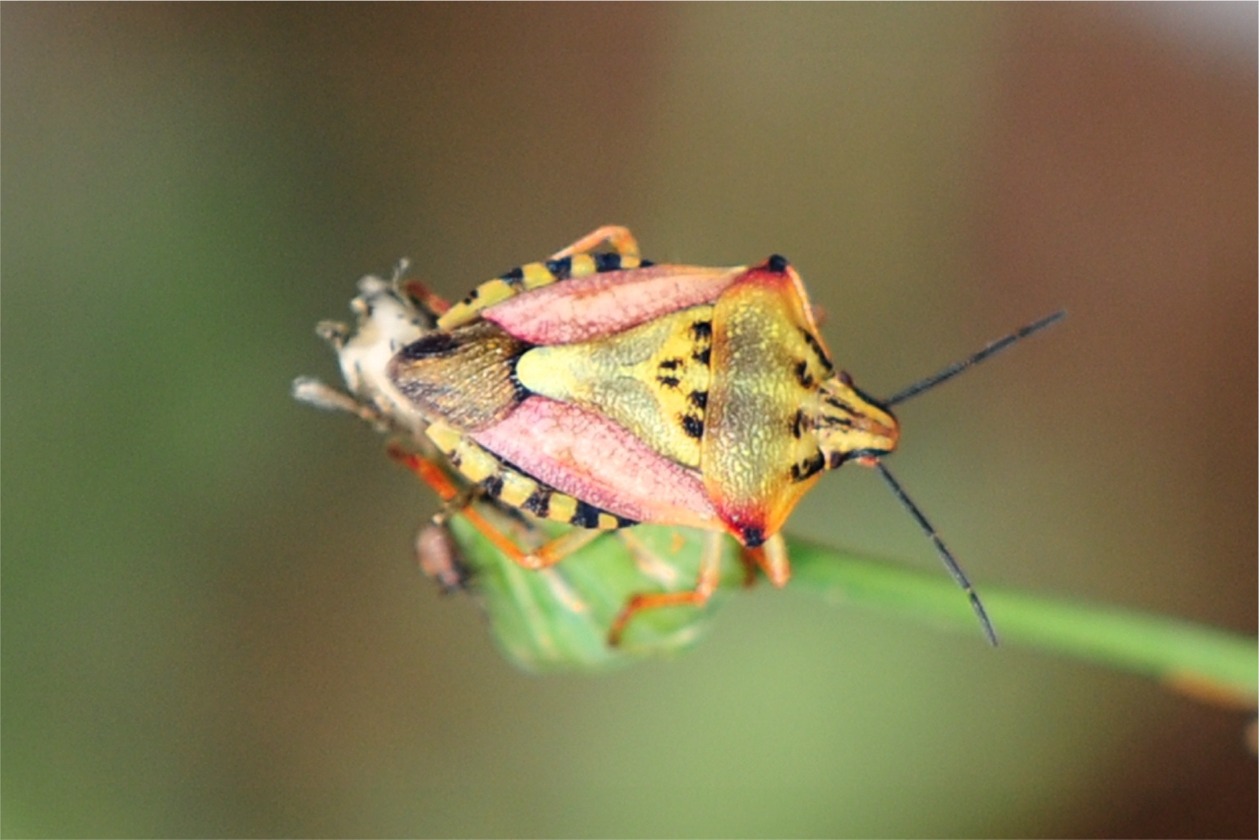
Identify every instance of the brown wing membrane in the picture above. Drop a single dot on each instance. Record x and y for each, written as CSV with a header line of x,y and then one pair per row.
x,y
464,377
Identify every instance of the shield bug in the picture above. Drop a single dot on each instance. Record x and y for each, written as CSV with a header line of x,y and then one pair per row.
x,y
599,390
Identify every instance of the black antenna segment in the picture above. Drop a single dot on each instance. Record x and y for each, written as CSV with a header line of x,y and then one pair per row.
x,y
958,367
946,556
919,387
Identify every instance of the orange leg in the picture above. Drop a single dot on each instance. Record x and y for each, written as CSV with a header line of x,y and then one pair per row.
x,y
433,475
426,297
559,548
649,562
772,557
706,584
620,238
750,564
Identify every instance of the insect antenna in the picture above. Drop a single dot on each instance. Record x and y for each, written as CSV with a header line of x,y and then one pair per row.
x,y
946,556
919,387
958,367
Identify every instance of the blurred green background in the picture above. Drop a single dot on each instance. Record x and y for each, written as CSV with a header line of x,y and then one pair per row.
x,y
212,624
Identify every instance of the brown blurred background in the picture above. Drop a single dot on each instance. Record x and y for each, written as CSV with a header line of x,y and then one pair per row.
x,y
211,622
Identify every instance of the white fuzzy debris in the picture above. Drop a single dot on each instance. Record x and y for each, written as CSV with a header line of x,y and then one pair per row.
x,y
387,321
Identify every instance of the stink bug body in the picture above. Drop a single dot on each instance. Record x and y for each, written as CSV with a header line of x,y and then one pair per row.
x,y
600,391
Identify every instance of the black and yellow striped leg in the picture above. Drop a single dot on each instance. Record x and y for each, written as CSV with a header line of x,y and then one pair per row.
x,y
514,490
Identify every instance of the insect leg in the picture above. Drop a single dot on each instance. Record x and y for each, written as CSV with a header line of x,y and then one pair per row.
x,y
649,562
620,238
577,260
316,393
429,300
457,500
772,558
435,477
710,569
559,548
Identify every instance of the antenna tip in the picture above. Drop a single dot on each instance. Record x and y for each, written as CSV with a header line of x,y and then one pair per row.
x,y
986,624
990,636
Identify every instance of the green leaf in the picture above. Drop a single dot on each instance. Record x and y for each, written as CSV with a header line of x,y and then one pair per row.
x,y
559,618
1187,656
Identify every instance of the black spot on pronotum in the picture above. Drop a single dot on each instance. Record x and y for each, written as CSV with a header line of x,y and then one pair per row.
x,y
699,399
702,356
808,467
670,364
777,263
668,381
801,370
702,330
693,426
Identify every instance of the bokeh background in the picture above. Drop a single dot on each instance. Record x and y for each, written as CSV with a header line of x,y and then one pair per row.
x,y
212,624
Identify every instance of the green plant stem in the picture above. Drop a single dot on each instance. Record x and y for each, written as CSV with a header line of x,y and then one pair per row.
x,y
1201,660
